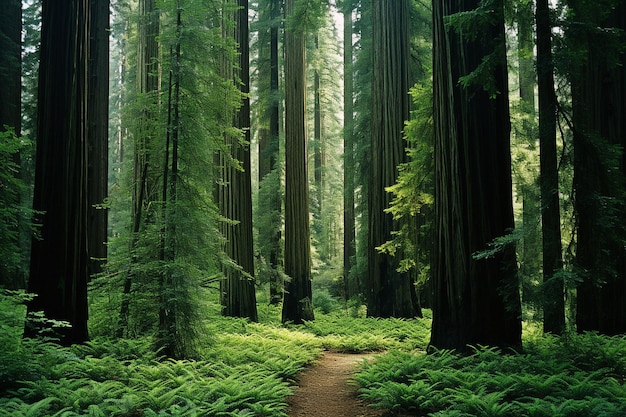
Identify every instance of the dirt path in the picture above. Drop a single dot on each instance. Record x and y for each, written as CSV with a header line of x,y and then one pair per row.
x,y
324,391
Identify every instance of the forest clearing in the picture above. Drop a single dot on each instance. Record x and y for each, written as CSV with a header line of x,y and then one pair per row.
x,y
313,208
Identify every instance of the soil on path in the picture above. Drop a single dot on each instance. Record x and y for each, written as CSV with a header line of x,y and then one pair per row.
x,y
324,390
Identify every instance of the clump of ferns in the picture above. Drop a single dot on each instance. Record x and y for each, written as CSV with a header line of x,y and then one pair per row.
x,y
396,333
488,383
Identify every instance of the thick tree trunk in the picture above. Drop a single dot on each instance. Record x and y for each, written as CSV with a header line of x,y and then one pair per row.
x,y
391,293
98,114
239,296
10,65
599,103
60,257
10,114
297,305
475,301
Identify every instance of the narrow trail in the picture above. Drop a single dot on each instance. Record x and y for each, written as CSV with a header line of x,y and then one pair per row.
x,y
324,390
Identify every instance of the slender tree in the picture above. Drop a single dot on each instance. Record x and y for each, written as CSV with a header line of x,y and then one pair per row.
x,y
319,151
525,170
270,223
476,301
297,305
147,84
349,228
60,255
391,293
167,342
363,69
553,296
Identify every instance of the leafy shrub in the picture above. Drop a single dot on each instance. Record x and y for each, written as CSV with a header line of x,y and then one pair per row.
x,y
324,302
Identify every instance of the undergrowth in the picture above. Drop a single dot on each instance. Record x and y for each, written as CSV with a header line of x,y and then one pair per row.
x,y
243,368
249,369
570,376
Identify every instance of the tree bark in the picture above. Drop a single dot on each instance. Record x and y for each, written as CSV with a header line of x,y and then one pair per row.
x,y
349,228
239,293
475,301
10,65
553,296
10,115
599,102
60,257
98,133
297,305
391,293
268,158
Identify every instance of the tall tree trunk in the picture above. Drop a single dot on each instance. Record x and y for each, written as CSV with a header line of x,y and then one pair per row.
x,y
10,112
349,228
297,305
60,257
476,301
599,103
268,158
239,293
391,293
318,146
98,114
10,65
553,296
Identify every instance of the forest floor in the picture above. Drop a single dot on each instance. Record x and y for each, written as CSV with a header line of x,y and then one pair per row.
x,y
324,390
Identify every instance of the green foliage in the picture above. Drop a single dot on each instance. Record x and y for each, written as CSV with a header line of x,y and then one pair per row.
x,y
245,371
325,302
576,375
14,212
413,192
168,247
308,15
477,25
17,362
360,334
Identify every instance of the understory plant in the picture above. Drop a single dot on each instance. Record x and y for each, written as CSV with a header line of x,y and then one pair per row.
x,y
242,368
574,375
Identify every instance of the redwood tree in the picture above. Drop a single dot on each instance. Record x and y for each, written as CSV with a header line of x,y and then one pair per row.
x,y
60,255
238,291
553,296
98,129
10,64
11,272
297,305
599,102
391,293
349,228
476,301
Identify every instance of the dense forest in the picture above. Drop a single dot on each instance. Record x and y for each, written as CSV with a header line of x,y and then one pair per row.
x,y
199,197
